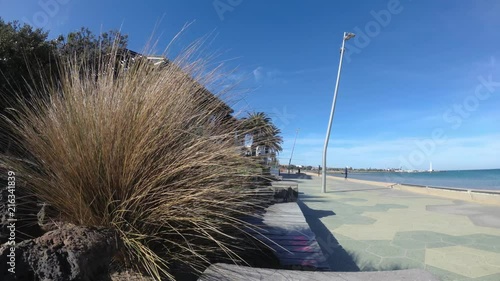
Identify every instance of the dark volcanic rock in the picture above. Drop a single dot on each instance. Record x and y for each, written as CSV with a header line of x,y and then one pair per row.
x,y
68,253
286,195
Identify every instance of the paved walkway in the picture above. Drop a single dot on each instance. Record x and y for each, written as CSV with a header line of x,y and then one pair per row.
x,y
364,227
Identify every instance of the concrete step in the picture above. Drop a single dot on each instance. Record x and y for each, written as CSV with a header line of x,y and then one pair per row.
x,y
226,272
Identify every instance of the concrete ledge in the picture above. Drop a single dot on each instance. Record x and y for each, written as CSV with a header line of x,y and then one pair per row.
x,y
283,228
476,196
226,272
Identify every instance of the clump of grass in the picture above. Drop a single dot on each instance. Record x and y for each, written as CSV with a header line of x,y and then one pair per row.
x,y
143,150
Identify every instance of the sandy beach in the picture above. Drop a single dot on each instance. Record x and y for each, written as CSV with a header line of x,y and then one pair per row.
x,y
490,197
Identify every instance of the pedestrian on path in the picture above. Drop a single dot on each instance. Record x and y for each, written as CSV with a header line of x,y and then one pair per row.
x,y
345,172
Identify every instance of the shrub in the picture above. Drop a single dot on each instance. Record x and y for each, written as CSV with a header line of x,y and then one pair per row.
x,y
143,150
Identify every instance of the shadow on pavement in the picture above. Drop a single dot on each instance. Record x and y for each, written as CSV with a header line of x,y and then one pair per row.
x,y
352,190
295,176
336,256
311,198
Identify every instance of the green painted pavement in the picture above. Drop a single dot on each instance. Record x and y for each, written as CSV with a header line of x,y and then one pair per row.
x,y
379,228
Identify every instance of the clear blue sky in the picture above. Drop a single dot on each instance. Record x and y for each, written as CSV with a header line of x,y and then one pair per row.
x,y
420,86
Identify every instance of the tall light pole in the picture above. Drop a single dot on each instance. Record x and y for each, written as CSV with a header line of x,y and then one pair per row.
x,y
346,37
293,148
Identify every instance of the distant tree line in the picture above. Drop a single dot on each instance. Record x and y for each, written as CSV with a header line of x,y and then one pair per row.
x,y
29,62
28,58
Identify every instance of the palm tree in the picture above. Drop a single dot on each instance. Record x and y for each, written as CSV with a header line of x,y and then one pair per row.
x,y
264,134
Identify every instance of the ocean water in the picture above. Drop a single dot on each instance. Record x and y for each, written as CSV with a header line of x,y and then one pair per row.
x,y
469,179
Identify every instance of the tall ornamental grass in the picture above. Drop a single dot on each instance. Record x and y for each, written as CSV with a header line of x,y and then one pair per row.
x,y
143,150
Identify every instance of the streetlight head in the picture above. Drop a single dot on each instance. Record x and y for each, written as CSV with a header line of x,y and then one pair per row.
x,y
349,36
